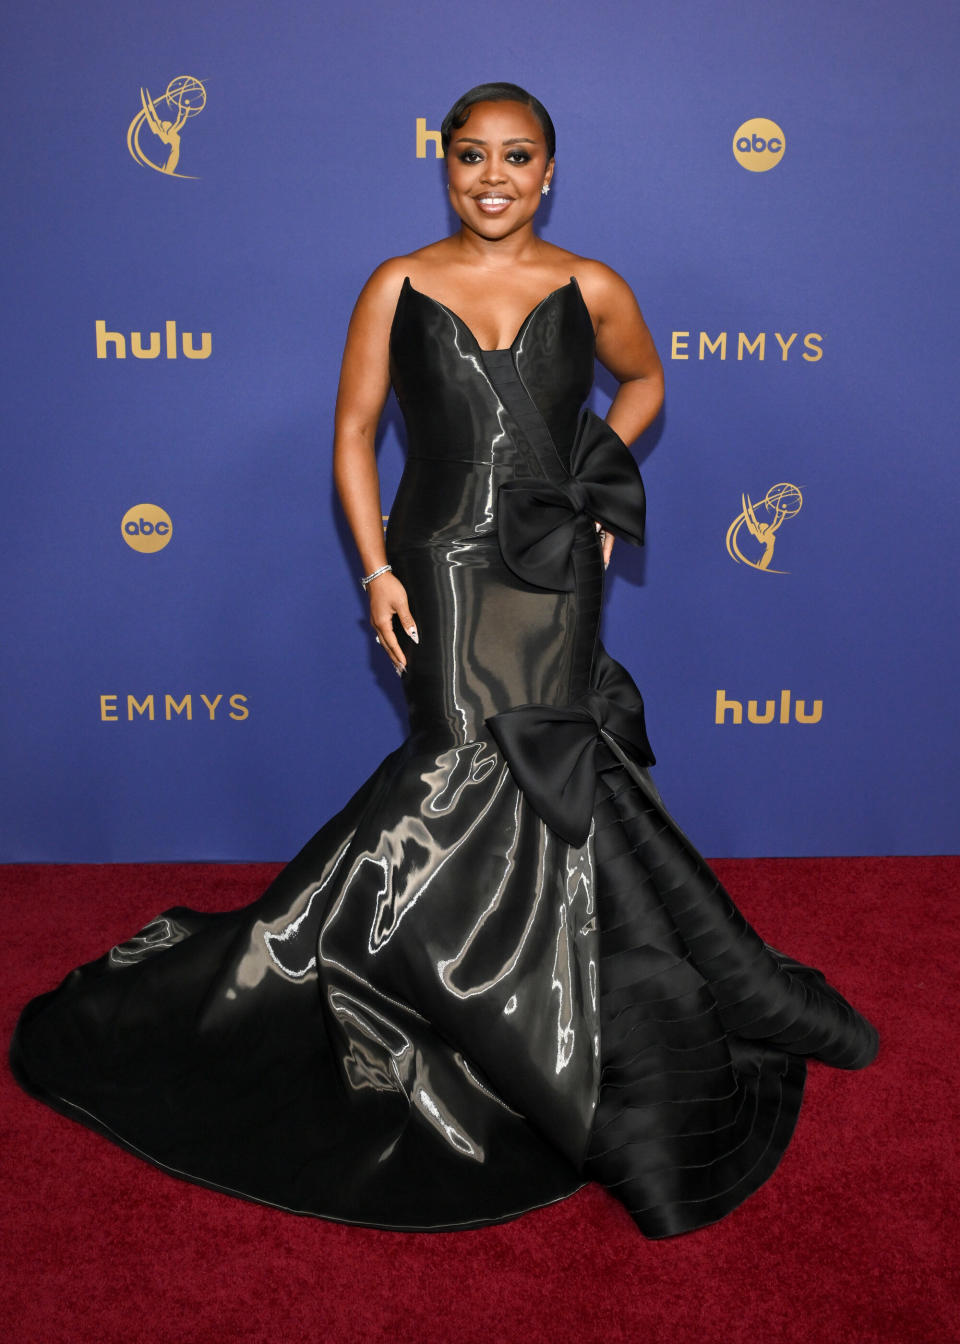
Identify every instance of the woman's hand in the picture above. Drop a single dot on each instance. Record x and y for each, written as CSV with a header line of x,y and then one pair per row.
x,y
608,539
388,598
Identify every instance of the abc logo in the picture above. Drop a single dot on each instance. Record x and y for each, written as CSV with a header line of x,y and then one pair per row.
x,y
758,145
146,528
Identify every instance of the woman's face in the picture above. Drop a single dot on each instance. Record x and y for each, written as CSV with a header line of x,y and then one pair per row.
x,y
496,164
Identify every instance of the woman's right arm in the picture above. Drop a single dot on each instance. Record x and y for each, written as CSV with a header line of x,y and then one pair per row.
x,y
362,393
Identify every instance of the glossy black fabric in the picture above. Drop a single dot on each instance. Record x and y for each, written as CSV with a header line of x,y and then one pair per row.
x,y
537,517
501,970
555,752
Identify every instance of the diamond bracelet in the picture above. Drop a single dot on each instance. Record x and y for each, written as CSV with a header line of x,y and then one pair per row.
x,y
368,578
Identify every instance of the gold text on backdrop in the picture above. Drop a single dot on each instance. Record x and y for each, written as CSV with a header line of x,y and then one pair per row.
x,y
750,346
425,137
150,707
800,712
165,343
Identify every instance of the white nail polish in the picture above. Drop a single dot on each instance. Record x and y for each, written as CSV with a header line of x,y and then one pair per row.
x,y
412,632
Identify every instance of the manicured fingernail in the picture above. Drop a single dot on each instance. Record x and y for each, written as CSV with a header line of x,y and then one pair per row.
x,y
606,564
398,669
412,632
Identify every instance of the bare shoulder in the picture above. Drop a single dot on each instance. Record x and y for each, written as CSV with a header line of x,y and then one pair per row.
x,y
606,293
382,289
624,343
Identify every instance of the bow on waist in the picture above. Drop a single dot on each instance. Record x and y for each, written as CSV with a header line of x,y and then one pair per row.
x,y
537,518
551,749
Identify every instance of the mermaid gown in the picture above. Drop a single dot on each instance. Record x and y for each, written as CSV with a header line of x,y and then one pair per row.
x,y
501,971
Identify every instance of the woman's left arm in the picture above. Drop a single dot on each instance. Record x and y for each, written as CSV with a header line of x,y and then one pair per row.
x,y
626,349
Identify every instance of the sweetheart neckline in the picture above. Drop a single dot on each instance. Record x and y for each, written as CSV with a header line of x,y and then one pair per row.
x,y
503,349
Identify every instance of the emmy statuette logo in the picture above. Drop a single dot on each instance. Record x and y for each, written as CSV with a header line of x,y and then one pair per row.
x,y
762,520
758,145
146,528
165,117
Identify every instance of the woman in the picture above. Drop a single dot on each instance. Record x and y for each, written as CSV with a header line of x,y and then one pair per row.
x,y
501,970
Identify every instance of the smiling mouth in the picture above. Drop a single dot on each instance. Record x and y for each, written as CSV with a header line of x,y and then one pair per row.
x,y
493,201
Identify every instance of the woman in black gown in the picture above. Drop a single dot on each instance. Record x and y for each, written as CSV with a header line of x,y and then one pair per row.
x,y
501,971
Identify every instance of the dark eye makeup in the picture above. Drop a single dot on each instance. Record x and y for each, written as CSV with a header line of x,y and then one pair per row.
x,y
518,156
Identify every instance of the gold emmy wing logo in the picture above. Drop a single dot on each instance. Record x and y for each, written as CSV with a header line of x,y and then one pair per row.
x,y
185,97
758,145
762,520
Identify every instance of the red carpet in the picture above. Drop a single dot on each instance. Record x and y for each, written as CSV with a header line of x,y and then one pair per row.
x,y
852,1241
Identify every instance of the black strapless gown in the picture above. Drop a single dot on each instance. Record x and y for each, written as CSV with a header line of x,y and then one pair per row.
x,y
501,971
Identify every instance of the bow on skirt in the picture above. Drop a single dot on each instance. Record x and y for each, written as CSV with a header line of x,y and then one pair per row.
x,y
551,749
537,518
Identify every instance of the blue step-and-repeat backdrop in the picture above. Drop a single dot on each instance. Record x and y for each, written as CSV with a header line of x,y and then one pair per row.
x,y
196,193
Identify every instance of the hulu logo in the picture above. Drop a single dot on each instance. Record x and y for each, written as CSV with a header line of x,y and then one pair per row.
x,y
164,342
769,713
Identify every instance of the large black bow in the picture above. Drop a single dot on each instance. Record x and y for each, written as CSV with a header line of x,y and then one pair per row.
x,y
537,518
551,749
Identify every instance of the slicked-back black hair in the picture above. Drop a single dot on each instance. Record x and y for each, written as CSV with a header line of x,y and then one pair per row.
x,y
497,93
